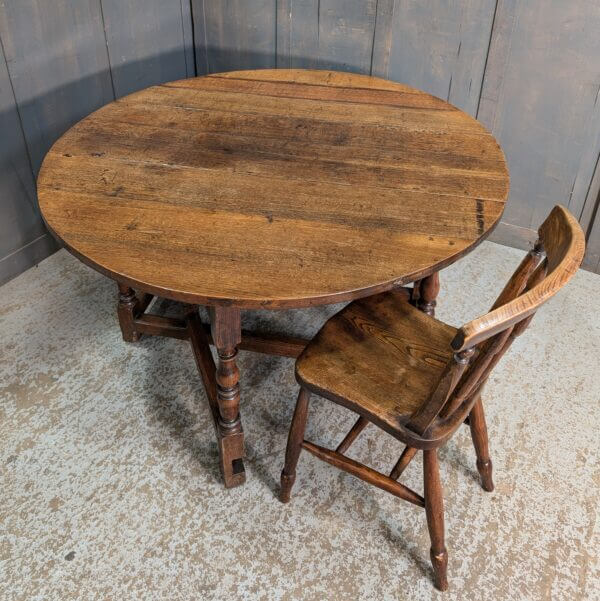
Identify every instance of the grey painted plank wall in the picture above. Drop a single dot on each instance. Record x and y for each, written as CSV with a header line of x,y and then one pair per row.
x,y
22,234
58,65
529,70
441,47
326,34
63,60
237,34
592,255
540,99
147,43
20,220
58,70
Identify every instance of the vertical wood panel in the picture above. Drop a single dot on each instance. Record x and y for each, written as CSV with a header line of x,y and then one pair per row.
x,y
283,44
382,44
188,37
23,238
237,34
441,47
540,99
20,221
298,30
584,194
200,42
57,60
146,42
592,198
326,34
346,30
497,61
591,219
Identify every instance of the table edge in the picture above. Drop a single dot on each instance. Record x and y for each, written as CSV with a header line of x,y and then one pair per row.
x,y
275,304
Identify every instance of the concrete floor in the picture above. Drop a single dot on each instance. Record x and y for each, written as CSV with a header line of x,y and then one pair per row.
x,y
110,487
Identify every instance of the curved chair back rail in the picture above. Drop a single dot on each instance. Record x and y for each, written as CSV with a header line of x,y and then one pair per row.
x,y
563,242
481,343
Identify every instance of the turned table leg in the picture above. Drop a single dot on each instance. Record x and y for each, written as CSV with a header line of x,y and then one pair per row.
x,y
428,291
226,330
127,310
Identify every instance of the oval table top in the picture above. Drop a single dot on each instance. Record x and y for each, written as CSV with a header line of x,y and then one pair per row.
x,y
273,188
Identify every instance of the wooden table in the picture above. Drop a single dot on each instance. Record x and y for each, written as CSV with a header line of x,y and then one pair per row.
x,y
268,189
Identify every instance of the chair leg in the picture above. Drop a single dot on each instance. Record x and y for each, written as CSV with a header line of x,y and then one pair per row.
x,y
294,445
402,463
434,508
480,442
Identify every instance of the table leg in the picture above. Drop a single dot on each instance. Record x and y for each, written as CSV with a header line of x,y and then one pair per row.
x,y
226,330
127,310
415,292
429,289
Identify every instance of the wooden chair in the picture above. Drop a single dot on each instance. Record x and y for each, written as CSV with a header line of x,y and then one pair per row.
x,y
419,379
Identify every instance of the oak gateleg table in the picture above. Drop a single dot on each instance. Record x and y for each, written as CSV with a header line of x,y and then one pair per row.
x,y
268,189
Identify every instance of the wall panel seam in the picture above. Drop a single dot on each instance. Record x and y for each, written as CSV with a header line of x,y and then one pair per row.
x,y
193,37
22,248
183,44
108,59
373,40
18,109
487,56
275,19
205,36
588,192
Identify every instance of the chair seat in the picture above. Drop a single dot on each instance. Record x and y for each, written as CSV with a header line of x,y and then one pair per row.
x,y
379,356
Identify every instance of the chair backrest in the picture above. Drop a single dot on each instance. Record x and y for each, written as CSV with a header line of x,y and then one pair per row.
x,y
479,344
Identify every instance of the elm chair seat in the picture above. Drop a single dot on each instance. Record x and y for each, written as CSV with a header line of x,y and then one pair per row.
x,y
380,334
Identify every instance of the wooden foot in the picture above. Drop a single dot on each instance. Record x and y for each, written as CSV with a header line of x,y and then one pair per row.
x,y
480,442
231,453
294,445
227,334
127,310
428,292
434,508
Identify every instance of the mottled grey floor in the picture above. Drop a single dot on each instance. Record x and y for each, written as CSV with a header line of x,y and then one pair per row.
x,y
110,487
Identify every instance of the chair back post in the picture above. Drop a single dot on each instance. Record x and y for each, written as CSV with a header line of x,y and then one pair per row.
x,y
427,413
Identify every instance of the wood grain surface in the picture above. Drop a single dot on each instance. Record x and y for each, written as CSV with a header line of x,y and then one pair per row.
x,y
273,188
379,356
